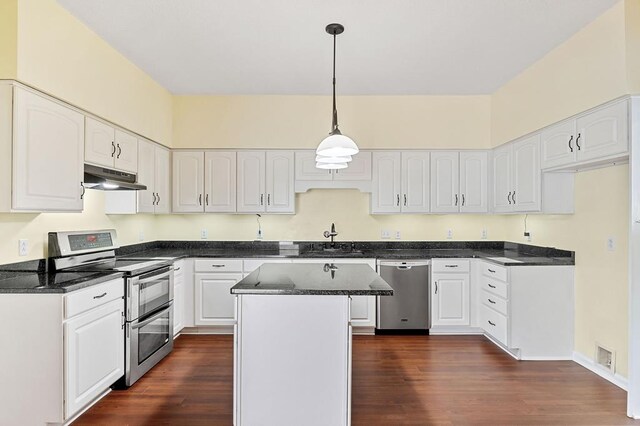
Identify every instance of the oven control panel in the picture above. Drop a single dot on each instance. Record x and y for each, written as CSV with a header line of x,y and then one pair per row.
x,y
90,241
79,242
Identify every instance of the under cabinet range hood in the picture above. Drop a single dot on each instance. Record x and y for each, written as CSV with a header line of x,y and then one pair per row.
x,y
96,177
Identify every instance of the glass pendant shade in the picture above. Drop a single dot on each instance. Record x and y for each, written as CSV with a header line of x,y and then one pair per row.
x,y
323,159
337,145
331,166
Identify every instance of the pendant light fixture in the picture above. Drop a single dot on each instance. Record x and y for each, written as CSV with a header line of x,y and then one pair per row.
x,y
321,159
336,144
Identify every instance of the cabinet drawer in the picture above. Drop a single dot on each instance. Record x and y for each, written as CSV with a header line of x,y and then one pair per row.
x,y
497,287
94,296
494,271
218,265
449,265
495,324
251,265
494,302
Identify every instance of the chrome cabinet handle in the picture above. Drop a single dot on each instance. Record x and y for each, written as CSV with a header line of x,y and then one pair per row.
x,y
513,197
509,197
119,151
578,141
218,266
177,269
456,199
100,296
405,200
450,266
268,199
492,286
200,199
158,202
398,202
83,190
491,323
154,198
113,147
206,199
262,199
463,199
436,283
491,301
570,147
491,270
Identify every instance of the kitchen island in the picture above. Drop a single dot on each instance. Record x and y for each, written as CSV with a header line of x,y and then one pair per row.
x,y
292,346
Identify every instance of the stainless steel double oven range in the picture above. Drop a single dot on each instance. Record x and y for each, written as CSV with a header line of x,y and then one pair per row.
x,y
148,326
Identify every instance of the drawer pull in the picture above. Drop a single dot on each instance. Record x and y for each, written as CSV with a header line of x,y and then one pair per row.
x,y
218,266
177,269
491,270
101,296
491,323
492,286
450,266
491,301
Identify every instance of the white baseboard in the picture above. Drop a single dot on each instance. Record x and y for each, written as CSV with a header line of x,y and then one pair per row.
x,y
444,330
589,364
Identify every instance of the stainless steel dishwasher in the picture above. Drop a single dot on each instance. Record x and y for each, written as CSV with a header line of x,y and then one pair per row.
x,y
410,306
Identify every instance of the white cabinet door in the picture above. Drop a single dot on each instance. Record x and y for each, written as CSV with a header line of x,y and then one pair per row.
x,y
251,182
502,165
415,182
214,301
450,301
163,180
178,296
279,182
146,176
385,195
445,197
473,181
306,167
126,157
48,155
526,174
220,181
359,168
603,133
188,182
558,144
94,354
100,145
363,311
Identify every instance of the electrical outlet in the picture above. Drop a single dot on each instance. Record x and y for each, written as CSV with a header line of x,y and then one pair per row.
x,y
204,234
23,247
384,234
398,235
449,234
527,235
483,234
141,236
611,243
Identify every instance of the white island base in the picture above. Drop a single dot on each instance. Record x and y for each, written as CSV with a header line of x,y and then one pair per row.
x,y
292,361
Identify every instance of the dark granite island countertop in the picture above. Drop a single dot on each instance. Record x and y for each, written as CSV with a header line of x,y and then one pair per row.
x,y
313,279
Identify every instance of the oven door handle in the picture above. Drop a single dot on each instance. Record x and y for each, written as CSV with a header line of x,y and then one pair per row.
x,y
153,317
150,278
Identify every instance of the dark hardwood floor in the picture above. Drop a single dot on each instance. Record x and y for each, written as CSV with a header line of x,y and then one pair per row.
x,y
397,380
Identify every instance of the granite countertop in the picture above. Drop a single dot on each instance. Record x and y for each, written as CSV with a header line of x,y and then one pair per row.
x,y
313,279
44,283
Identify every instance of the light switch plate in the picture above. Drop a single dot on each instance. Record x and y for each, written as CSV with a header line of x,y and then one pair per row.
x,y
611,243
449,234
23,247
204,234
483,234
385,234
398,236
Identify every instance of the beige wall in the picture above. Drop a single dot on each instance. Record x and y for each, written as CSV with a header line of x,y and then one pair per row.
x,y
632,27
8,38
59,55
589,69
303,121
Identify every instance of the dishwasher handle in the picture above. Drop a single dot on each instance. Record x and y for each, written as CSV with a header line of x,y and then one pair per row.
x,y
406,264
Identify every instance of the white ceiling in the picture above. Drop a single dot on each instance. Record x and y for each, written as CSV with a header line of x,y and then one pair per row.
x,y
389,47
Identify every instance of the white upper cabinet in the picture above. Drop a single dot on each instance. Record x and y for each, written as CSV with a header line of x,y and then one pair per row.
x,y
473,181
517,176
596,135
306,167
220,181
162,180
415,182
110,147
445,184
385,196
359,168
307,176
459,181
266,182
147,177
280,181
48,155
251,182
188,182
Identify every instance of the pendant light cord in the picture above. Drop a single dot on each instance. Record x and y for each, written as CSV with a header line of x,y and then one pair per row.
x,y
334,126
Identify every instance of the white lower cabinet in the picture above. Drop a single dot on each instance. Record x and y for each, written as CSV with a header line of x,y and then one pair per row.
x,y
450,293
214,301
94,354
178,296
